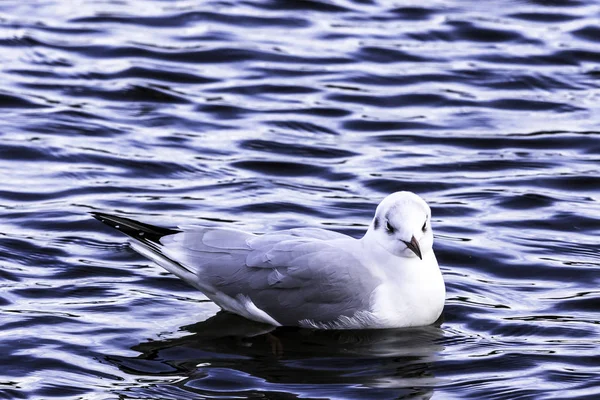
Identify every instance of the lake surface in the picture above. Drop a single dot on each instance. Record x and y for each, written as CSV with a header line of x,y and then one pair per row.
x,y
265,115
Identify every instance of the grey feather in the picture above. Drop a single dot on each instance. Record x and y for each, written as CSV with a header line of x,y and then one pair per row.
x,y
287,274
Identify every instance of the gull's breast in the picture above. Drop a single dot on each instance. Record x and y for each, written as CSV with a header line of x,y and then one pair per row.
x,y
413,299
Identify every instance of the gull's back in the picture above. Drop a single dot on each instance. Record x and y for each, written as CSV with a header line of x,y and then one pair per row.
x,y
296,277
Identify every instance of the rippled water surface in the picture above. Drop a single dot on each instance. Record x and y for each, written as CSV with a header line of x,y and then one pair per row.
x,y
265,115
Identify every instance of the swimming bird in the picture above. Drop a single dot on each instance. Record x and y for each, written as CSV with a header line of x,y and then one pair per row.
x,y
309,277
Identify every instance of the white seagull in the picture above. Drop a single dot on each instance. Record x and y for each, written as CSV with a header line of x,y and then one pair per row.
x,y
309,277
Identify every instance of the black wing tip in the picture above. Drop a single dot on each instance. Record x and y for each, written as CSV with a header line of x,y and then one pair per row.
x,y
107,219
134,229
99,216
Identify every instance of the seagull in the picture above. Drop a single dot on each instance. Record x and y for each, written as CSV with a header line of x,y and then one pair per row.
x,y
308,277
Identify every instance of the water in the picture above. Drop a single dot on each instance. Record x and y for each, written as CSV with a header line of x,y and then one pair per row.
x,y
265,115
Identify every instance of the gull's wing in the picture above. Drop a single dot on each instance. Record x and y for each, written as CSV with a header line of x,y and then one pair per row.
x,y
295,275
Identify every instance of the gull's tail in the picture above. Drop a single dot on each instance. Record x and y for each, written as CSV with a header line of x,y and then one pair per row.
x,y
137,230
146,241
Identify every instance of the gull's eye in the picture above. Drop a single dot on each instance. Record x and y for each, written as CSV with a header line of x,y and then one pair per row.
x,y
389,227
424,228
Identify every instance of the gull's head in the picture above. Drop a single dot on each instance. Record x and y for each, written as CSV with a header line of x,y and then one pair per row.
x,y
402,225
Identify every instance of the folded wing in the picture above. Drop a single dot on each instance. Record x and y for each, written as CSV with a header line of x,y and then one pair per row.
x,y
294,275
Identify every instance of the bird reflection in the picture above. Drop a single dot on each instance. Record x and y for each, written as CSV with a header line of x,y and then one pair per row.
x,y
294,358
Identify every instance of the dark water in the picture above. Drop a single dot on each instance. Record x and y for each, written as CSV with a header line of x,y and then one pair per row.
x,y
273,114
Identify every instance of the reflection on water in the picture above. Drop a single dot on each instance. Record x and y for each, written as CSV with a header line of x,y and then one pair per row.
x,y
228,355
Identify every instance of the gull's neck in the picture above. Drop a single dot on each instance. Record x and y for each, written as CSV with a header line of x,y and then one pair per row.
x,y
377,254
369,242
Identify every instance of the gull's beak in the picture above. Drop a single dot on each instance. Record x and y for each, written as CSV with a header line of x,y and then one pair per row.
x,y
414,246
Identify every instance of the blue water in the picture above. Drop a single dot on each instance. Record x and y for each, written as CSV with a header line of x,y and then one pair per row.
x,y
264,115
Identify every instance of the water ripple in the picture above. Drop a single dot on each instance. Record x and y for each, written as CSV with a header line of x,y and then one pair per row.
x,y
267,115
